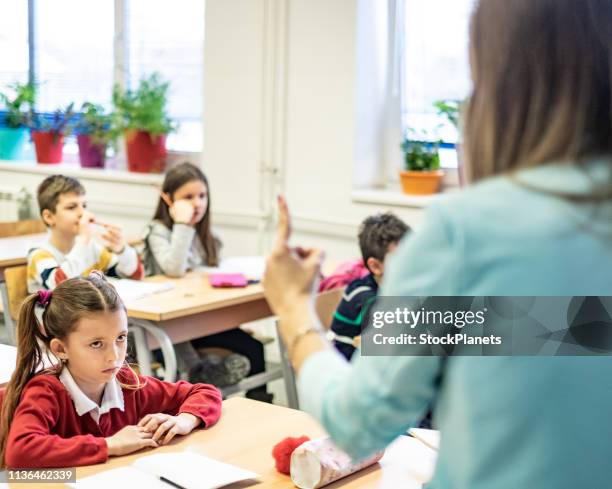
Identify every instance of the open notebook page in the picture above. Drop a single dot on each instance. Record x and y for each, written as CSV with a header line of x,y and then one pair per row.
x,y
192,470
124,477
130,290
189,470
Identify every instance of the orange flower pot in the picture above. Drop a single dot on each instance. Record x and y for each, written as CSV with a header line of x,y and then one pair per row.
x,y
421,182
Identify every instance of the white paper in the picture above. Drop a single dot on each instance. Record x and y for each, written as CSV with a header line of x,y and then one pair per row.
x,y
252,267
193,471
121,477
8,356
131,290
431,438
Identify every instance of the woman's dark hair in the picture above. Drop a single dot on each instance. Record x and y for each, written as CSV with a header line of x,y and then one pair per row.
x,y
175,178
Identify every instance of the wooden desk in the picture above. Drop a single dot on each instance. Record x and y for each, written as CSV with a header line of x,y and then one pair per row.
x,y
183,310
193,309
8,355
249,429
14,250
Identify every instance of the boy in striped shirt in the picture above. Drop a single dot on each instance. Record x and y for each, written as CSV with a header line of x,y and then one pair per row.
x,y
71,250
378,236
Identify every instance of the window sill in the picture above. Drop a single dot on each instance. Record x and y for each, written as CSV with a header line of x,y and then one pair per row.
x,y
75,170
393,196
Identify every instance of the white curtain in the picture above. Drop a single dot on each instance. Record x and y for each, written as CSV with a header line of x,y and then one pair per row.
x,y
380,72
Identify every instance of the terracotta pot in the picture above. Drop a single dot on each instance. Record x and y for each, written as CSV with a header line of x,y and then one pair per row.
x,y
421,182
145,154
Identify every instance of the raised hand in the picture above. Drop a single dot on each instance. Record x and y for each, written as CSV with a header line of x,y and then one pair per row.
x,y
291,274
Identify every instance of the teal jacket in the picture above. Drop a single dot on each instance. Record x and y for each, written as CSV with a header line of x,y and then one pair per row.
x,y
506,422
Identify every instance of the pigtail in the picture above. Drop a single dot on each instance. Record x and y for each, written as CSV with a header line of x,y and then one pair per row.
x,y
29,360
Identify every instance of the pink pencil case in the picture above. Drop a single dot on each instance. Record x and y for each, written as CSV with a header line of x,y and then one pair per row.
x,y
227,280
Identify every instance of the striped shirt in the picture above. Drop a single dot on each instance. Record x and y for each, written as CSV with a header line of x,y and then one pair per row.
x,y
346,324
48,267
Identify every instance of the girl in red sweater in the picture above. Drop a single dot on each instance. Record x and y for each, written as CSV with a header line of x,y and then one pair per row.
x,y
92,405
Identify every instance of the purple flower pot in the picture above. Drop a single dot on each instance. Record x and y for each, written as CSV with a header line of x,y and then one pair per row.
x,y
91,155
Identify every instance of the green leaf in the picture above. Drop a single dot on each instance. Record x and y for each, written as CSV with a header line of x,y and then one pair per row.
x,y
145,108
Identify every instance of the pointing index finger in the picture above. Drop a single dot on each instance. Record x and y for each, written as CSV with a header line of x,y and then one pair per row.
x,y
283,232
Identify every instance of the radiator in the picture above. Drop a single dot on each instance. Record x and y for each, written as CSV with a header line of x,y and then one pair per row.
x,y
15,203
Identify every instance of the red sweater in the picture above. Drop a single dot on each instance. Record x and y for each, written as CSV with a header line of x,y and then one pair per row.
x,y
46,430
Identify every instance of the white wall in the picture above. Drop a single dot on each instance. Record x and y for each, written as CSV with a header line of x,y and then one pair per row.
x,y
314,134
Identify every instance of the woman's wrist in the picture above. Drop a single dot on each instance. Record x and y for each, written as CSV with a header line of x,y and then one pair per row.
x,y
296,310
301,330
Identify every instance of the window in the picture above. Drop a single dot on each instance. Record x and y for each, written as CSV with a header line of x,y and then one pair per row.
x,y
170,39
75,56
437,66
74,53
14,43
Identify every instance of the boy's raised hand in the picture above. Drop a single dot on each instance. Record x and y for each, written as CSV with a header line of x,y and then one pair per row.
x,y
159,424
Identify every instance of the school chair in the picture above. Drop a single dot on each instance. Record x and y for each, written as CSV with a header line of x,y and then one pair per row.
x,y
17,289
326,304
12,229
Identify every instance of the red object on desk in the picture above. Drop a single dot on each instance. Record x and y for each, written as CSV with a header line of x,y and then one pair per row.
x,y
227,280
282,452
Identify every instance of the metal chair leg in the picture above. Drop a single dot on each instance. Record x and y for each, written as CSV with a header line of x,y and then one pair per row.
x,y
140,328
288,373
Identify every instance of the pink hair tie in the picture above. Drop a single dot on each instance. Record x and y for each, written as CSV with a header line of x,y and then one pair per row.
x,y
44,296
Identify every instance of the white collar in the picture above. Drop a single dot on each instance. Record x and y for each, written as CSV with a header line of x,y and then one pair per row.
x,y
112,398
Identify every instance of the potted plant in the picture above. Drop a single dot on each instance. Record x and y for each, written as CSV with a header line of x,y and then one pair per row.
x,y
14,135
95,132
142,115
48,134
422,174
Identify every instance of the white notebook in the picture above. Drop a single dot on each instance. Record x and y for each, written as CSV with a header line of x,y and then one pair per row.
x,y
188,470
131,290
431,438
